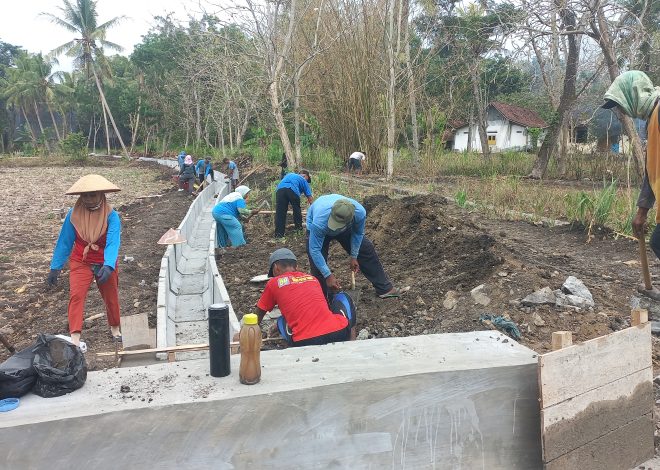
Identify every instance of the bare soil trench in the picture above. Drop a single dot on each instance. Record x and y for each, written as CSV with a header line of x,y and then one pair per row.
x,y
436,247
30,223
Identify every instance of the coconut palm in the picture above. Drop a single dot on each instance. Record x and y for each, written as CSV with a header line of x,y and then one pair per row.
x,y
80,18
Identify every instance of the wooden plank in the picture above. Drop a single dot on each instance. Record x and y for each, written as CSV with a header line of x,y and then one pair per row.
x,y
182,348
561,339
575,370
639,316
573,423
135,332
623,448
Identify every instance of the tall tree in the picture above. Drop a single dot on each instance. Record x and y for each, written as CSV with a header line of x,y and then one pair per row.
x,y
87,49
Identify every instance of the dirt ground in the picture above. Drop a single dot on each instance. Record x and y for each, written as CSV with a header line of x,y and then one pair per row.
x,y
436,247
29,225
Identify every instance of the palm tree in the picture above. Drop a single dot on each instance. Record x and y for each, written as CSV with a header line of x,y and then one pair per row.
x,y
87,48
20,89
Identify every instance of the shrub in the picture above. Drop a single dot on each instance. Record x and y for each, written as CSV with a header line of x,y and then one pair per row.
x,y
75,146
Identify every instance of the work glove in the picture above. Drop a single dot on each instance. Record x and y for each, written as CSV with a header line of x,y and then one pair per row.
x,y
103,275
52,277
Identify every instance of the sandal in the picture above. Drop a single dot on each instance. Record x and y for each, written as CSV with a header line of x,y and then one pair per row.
x,y
394,293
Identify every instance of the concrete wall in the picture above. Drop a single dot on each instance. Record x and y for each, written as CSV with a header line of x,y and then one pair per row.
x,y
215,290
452,401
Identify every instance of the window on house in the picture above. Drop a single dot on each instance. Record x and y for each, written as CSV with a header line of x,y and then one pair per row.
x,y
491,140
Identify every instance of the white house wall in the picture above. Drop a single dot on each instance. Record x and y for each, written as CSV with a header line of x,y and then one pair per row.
x,y
508,135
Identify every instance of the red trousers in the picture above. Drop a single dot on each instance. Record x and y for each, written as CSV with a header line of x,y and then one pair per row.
x,y
80,279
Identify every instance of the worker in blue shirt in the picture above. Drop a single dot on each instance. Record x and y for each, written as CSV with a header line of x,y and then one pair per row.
x,y
288,192
336,217
200,169
232,172
180,159
208,169
228,213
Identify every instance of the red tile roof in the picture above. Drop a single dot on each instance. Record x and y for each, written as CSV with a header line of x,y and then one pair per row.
x,y
523,116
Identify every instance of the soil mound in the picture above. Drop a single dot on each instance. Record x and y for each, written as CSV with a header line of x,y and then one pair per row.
x,y
421,238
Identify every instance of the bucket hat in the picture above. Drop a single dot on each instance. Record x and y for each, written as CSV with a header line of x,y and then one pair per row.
x,y
341,215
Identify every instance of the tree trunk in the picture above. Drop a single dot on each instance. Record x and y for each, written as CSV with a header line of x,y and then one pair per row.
x,y
134,130
602,35
52,118
112,119
296,116
412,93
198,119
107,133
566,100
32,134
481,110
391,89
41,126
273,87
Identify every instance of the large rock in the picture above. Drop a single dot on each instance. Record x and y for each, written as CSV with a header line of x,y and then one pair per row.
x,y
451,299
574,286
479,295
543,296
570,300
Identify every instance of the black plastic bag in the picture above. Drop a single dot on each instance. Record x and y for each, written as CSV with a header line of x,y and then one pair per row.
x,y
60,367
17,375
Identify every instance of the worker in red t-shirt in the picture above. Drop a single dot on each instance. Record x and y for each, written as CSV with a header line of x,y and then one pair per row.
x,y
306,319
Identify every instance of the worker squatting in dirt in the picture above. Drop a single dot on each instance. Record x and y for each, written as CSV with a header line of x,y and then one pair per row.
x,y
90,237
307,318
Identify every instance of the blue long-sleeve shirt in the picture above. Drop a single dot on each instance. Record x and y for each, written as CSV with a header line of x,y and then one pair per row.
x,y
317,224
296,183
67,238
181,158
199,167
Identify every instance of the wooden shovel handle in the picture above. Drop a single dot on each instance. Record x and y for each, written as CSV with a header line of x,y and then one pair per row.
x,y
7,344
645,264
352,280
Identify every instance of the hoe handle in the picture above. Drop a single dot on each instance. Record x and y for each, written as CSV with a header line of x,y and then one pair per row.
x,y
645,264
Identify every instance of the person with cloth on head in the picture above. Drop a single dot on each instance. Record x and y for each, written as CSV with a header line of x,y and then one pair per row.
x,y
288,192
232,171
187,174
227,214
355,162
336,217
90,236
306,318
634,94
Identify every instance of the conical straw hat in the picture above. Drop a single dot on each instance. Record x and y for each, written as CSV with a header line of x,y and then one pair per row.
x,y
91,183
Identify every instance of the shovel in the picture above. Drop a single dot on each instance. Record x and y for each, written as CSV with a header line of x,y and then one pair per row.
x,y
354,293
647,289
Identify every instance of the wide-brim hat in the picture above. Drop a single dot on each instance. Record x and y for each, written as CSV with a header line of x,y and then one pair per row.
x,y
92,183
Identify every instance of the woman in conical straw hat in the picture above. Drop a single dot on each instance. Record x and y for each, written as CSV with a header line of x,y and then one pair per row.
x,y
90,236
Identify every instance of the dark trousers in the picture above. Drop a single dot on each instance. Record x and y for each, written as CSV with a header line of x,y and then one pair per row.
x,y
284,197
655,241
367,259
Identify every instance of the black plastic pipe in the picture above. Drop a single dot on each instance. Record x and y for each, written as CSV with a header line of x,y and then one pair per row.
x,y
219,354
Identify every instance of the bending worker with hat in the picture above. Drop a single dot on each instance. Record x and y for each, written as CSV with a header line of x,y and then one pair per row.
x,y
306,318
90,236
335,217
633,93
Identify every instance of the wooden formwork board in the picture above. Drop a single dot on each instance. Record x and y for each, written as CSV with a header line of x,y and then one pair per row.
x,y
597,402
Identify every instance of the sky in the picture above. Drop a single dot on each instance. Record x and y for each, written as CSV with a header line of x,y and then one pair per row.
x,y
22,26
